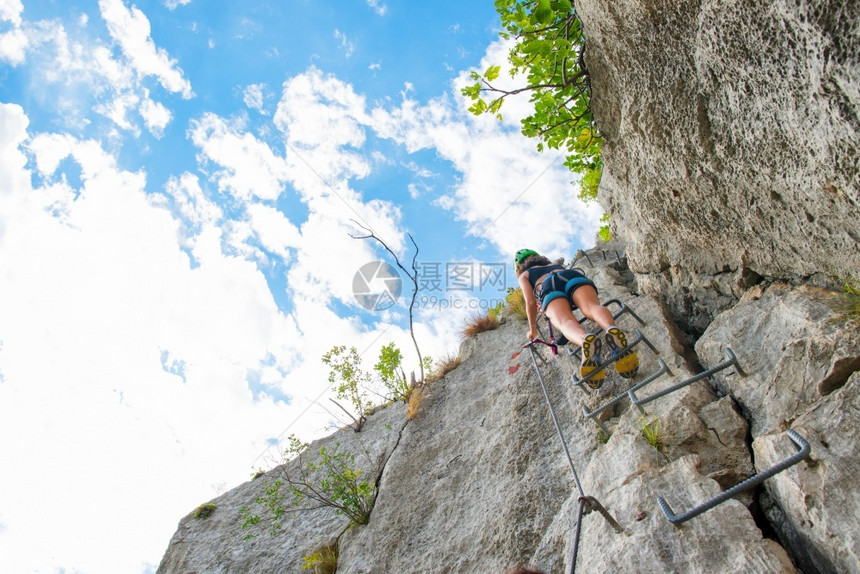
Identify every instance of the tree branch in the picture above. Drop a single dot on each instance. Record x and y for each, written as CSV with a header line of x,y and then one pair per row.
x,y
413,276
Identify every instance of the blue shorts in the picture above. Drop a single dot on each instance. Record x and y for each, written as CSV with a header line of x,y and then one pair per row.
x,y
561,284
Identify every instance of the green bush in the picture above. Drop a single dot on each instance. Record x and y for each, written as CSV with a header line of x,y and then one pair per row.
x,y
330,481
204,511
652,432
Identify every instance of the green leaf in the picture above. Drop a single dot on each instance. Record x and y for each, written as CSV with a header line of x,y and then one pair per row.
x,y
492,73
543,13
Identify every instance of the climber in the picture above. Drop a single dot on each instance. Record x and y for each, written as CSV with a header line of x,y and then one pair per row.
x,y
559,291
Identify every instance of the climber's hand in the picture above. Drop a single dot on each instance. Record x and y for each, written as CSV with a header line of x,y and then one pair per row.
x,y
532,334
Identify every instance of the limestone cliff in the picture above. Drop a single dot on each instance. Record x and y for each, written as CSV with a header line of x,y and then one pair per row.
x,y
477,481
732,133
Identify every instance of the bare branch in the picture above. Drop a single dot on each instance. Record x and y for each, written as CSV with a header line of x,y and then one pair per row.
x,y
413,276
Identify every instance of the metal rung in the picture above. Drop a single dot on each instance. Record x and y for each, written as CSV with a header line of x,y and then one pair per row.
x,y
640,338
749,483
618,398
731,360
582,253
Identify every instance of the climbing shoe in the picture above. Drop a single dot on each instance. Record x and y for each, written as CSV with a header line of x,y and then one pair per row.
x,y
627,364
591,361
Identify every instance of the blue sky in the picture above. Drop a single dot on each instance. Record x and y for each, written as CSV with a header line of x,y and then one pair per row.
x,y
178,182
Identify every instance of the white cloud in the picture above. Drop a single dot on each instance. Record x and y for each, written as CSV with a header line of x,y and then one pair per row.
x,y
118,108
348,47
380,8
173,4
13,47
13,44
249,167
90,307
155,115
10,11
509,194
253,97
76,74
130,29
193,205
322,116
275,232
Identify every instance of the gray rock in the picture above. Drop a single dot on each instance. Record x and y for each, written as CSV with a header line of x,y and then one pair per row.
x,y
818,500
731,142
798,354
793,346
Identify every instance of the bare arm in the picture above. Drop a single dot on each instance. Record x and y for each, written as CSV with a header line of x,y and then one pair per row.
x,y
531,304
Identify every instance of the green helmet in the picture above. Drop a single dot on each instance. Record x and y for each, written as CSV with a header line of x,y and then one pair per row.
x,y
522,254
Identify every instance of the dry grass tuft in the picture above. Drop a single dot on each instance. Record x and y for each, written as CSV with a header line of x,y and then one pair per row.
x,y
446,365
480,323
517,303
323,560
415,399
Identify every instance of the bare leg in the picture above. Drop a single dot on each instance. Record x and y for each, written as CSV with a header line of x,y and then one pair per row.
x,y
562,318
586,299
627,365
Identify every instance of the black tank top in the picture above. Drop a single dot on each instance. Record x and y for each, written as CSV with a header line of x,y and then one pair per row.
x,y
536,273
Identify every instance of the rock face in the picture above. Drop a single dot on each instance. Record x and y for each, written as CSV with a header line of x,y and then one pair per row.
x,y
731,142
478,481
801,359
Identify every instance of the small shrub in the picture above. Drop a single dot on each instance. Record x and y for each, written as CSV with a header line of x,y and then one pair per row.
x,y
516,302
323,560
391,372
329,481
495,311
652,432
204,511
602,437
480,323
257,474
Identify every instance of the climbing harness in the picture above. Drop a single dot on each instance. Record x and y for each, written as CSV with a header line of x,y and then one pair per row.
x,y
586,503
